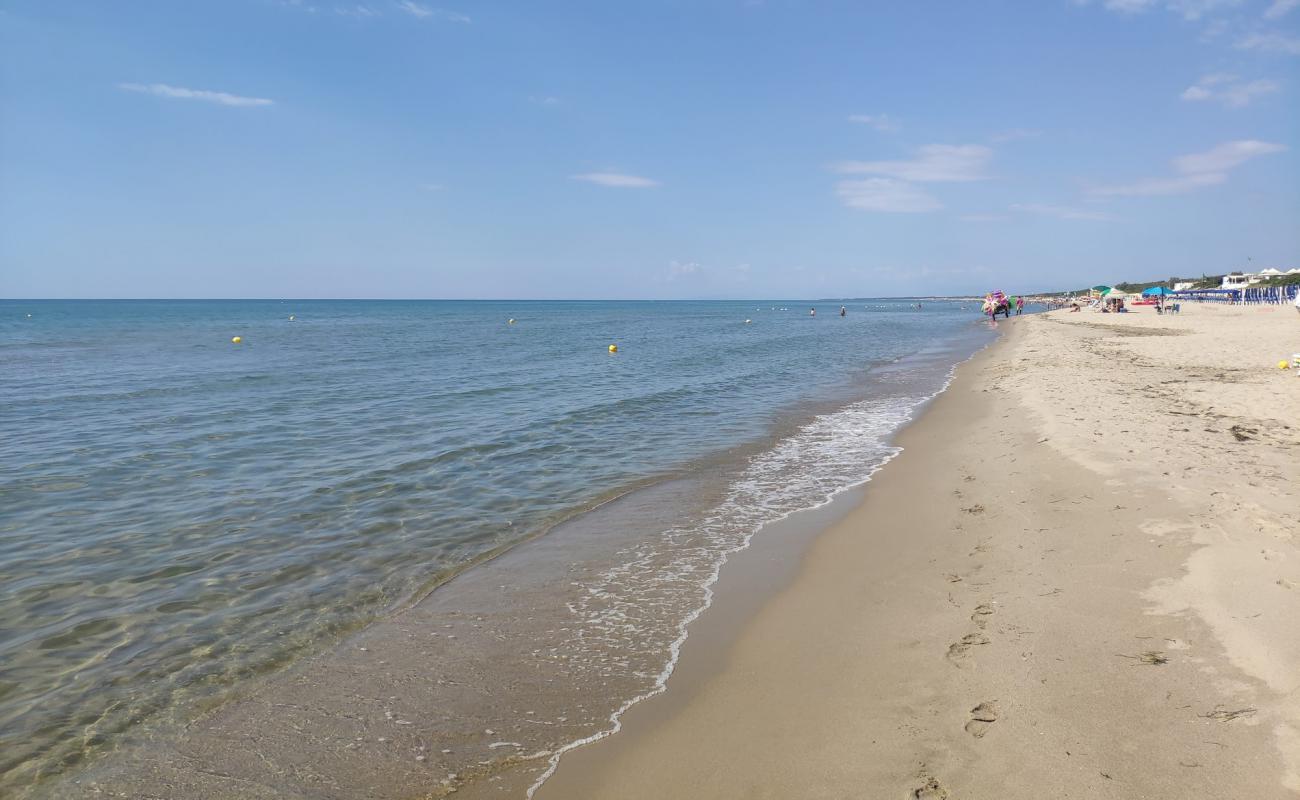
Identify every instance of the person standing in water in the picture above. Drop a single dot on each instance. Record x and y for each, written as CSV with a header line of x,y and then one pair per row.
x,y
812,312
843,311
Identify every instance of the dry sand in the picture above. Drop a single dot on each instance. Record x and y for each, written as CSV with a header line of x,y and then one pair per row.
x,y
1080,579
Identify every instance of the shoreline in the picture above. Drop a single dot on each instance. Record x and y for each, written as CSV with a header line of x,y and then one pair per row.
x,y
1041,624
782,543
470,711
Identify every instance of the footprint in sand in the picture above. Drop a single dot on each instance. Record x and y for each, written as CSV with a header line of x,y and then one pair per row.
x,y
957,651
981,611
931,789
982,718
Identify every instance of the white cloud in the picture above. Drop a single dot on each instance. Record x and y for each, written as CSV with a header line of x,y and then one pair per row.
x,y
616,179
1280,8
544,100
1228,89
415,9
1014,134
357,11
933,163
684,269
1188,9
1060,212
982,217
1195,171
1225,156
881,122
1195,9
1128,6
886,194
425,12
1270,43
181,93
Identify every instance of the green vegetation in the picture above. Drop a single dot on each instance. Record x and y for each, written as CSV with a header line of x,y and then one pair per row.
x,y
1203,282
1138,288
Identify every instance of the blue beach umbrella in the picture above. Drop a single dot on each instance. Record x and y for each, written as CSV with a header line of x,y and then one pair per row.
x,y
1156,291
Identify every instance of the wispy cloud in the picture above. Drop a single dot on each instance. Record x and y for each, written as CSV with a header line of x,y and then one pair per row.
x,y
357,11
1225,157
1195,9
181,93
684,269
982,217
892,188
1270,43
617,180
415,9
1228,89
1280,8
299,4
886,194
881,122
1188,9
1194,171
1124,6
427,12
933,163
1060,212
544,100
1014,134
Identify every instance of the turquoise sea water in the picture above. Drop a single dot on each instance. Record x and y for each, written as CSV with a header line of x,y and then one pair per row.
x,y
178,512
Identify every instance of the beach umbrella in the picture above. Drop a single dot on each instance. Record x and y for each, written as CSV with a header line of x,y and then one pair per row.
x,y
1101,289
1156,291
1116,294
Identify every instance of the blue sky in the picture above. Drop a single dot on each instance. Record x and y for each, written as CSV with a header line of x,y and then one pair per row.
x,y
702,148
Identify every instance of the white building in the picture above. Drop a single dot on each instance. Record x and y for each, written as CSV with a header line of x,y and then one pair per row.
x,y
1240,280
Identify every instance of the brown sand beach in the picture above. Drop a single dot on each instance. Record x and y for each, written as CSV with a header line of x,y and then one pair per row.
x,y
1080,579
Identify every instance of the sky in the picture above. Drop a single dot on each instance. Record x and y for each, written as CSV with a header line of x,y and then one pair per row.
x,y
655,149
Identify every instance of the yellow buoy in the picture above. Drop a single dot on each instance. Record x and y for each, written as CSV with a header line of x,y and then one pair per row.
x,y
236,339
1283,365
613,348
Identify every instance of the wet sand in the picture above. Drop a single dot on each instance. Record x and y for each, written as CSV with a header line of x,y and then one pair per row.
x,y
1080,579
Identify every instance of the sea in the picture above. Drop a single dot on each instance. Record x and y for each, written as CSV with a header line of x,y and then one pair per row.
x,y
182,514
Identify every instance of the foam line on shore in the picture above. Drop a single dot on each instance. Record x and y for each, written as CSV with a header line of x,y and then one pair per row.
x,y
682,630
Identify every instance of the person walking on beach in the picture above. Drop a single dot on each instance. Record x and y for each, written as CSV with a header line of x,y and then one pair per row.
x,y
1020,306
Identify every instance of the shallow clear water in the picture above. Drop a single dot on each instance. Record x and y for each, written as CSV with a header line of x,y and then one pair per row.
x,y
178,512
